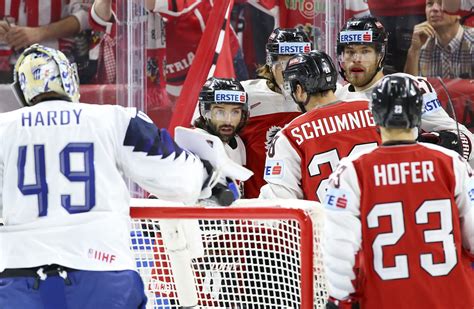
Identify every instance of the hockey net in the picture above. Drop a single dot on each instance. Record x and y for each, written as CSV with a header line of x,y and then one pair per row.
x,y
263,256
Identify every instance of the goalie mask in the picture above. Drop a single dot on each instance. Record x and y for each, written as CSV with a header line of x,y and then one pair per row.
x,y
40,70
314,72
223,106
396,103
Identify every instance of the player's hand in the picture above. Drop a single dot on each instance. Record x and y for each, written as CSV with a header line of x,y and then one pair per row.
x,y
4,27
150,4
446,139
22,37
421,33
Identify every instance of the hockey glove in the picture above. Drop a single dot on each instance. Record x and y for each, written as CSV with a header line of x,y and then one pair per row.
x,y
449,140
225,194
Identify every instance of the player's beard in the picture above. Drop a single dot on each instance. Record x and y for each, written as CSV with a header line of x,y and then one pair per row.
x,y
226,132
363,78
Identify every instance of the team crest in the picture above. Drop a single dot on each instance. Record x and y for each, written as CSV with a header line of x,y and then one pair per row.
x,y
271,132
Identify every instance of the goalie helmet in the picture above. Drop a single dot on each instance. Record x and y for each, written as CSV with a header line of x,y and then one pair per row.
x,y
367,30
397,102
315,72
286,41
222,91
40,70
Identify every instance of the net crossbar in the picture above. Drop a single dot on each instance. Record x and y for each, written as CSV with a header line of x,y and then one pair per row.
x,y
251,257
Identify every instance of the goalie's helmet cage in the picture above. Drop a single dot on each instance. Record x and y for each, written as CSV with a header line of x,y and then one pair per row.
x,y
286,41
222,91
315,72
397,103
41,69
367,30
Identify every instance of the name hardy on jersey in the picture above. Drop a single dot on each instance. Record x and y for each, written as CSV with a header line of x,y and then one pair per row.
x,y
332,124
403,172
50,118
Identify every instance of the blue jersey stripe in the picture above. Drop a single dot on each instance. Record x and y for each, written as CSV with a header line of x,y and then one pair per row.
x,y
144,136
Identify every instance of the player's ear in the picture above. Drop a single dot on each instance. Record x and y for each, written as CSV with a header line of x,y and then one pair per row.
x,y
299,91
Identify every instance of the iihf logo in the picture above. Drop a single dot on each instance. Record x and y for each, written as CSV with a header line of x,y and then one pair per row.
x,y
101,256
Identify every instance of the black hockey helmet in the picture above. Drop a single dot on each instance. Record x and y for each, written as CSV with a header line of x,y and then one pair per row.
x,y
397,103
286,41
367,30
223,91
314,71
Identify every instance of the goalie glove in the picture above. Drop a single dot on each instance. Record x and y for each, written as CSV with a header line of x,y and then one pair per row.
x,y
449,140
221,191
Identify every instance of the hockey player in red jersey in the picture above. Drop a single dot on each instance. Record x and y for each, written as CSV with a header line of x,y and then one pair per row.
x,y
269,107
402,213
307,150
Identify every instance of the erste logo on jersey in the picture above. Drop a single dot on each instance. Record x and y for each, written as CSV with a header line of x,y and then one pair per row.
x,y
338,199
273,169
355,36
290,48
230,96
431,103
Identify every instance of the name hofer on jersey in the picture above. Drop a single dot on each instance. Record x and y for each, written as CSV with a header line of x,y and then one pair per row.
x,y
294,48
403,172
333,124
355,36
230,96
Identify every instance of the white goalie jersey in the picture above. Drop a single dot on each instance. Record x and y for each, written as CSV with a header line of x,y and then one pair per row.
x,y
434,117
63,198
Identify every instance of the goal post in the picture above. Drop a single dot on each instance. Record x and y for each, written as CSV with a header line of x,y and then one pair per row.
x,y
260,254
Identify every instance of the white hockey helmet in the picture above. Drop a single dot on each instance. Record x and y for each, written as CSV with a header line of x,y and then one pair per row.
x,y
41,69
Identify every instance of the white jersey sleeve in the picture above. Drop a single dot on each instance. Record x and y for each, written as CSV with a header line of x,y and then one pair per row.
x,y
434,117
264,101
282,170
146,148
342,230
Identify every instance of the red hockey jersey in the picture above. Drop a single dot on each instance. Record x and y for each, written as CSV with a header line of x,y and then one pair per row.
x,y
307,150
269,113
407,209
